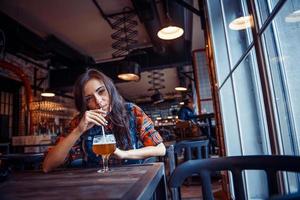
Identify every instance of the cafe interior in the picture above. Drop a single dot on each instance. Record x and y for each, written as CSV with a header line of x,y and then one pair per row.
x,y
236,61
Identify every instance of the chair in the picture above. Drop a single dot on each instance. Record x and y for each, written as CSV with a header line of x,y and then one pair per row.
x,y
199,147
167,133
183,129
236,164
188,146
4,170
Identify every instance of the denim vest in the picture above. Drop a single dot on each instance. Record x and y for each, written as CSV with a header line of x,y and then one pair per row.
x,y
91,160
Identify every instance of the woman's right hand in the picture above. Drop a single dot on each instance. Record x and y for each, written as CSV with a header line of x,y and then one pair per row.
x,y
91,118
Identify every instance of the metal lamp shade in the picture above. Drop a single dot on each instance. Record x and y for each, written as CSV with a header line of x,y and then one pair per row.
x,y
170,30
48,93
129,71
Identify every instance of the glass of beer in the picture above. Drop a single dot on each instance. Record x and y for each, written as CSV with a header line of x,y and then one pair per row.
x,y
104,145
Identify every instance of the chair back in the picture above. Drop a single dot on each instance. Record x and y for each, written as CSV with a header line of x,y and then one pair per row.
x,y
183,129
236,164
189,147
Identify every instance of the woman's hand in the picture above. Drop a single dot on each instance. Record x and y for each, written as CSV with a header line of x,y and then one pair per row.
x,y
120,154
91,118
141,153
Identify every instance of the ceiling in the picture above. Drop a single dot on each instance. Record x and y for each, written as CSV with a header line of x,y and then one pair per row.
x,y
75,34
77,23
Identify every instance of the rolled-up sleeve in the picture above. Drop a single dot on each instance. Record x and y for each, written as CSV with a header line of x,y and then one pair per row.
x,y
145,128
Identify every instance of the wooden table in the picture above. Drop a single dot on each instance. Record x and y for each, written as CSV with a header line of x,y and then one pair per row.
x,y
127,182
21,160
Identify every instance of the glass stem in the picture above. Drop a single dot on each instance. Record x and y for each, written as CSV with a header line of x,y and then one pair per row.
x,y
105,162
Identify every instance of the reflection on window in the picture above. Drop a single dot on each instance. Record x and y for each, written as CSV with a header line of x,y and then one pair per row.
x,y
238,41
241,23
282,48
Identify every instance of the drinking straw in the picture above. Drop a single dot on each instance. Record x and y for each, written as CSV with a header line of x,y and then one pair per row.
x,y
102,127
103,133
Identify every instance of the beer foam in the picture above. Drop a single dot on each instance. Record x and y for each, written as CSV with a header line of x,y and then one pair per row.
x,y
102,143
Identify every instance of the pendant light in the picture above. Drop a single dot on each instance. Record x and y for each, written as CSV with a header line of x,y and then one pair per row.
x,y
47,93
180,88
170,30
129,71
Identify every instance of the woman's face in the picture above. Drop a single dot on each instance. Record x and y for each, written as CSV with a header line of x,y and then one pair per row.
x,y
96,95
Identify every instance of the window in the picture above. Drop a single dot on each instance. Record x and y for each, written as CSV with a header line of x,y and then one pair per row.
x,y
9,91
240,87
206,102
281,46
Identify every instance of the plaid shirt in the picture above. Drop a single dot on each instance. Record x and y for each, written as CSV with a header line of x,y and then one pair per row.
x,y
142,134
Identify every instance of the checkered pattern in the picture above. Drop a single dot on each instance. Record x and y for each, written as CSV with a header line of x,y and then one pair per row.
x,y
142,134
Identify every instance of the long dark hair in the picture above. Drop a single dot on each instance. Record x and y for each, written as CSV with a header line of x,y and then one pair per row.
x,y
118,116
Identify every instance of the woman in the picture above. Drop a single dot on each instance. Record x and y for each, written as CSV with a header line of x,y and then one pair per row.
x,y
100,104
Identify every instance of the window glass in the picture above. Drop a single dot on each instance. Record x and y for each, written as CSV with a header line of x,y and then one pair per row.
x,y
218,39
264,8
242,109
282,49
237,27
249,106
281,41
243,113
251,121
230,121
204,79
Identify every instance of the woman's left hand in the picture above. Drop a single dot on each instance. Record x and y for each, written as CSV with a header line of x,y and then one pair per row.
x,y
141,153
120,154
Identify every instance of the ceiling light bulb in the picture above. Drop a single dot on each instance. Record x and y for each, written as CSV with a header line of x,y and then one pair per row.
x,y
180,88
170,32
129,71
129,77
47,94
241,23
